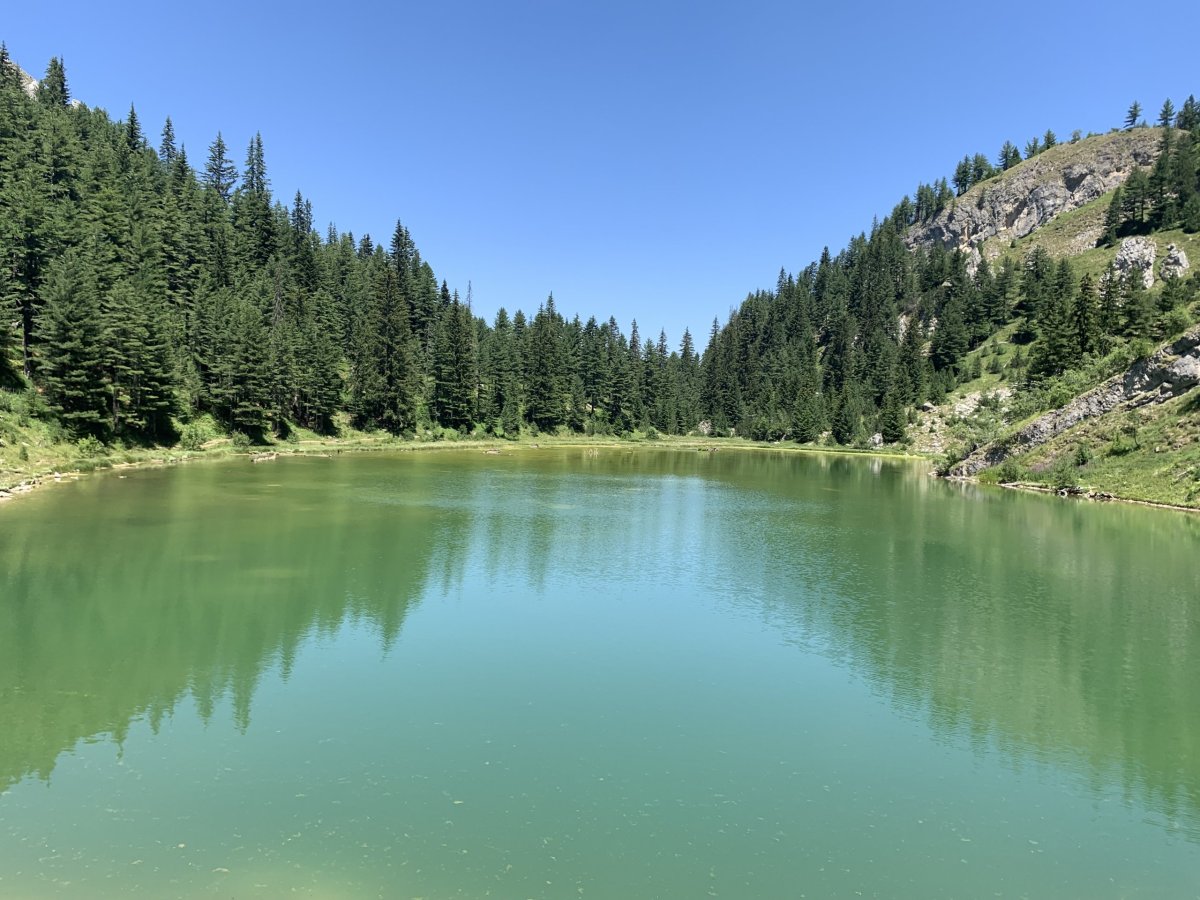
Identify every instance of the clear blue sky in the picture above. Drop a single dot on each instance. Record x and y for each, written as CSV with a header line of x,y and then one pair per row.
x,y
657,160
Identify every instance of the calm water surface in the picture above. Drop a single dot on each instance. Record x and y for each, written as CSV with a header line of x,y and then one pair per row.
x,y
620,674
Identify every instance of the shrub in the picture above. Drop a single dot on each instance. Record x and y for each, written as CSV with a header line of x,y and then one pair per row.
x,y
1008,471
241,440
89,446
949,458
193,436
1175,321
1122,444
1062,474
11,401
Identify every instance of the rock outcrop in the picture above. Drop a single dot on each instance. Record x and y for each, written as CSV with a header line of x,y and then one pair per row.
x,y
1174,264
28,82
1058,180
1171,371
1136,254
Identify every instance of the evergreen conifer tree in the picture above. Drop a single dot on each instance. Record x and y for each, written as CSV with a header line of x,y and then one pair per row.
x,y
1136,305
546,402
1132,115
1057,345
1166,115
1188,117
70,352
1009,156
167,151
892,422
1114,219
846,425
220,174
1085,317
52,90
950,338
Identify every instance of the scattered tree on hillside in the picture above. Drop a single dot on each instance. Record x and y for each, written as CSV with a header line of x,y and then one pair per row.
x,y
1009,156
1132,115
1166,115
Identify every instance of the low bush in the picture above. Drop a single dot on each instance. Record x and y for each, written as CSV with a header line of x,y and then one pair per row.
x,y
1009,471
193,436
89,447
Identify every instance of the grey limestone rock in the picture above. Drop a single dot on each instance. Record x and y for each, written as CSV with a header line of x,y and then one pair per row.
x,y
1137,253
1058,180
1174,263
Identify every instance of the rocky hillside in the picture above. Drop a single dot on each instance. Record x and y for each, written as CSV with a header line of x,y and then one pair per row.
x,y
28,82
1123,421
1029,196
1169,373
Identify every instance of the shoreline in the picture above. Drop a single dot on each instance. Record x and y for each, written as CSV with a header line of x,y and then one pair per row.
x,y
223,451
1079,494
1091,496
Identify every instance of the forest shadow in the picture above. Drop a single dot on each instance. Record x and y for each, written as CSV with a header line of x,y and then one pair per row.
x,y
10,376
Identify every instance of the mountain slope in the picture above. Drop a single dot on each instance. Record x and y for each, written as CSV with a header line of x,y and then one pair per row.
x,y
1031,195
1171,372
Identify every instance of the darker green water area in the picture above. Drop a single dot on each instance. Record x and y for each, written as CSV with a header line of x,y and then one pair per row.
x,y
571,673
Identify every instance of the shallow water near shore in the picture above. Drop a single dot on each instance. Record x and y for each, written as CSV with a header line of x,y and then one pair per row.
x,y
600,673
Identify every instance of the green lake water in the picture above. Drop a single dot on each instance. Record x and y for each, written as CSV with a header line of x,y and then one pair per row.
x,y
567,673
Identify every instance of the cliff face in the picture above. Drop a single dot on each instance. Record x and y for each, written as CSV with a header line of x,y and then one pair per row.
x,y
1029,195
28,82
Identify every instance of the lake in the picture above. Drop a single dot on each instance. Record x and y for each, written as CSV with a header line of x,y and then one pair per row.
x,y
616,673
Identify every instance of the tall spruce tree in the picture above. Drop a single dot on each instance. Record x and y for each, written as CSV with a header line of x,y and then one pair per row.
x,y
52,91
1166,115
220,174
71,363
1085,317
546,404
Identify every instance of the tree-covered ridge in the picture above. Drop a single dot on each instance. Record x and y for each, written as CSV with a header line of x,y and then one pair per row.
x,y
143,289
144,292
853,339
1166,196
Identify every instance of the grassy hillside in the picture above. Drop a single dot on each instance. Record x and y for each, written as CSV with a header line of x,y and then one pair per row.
x,y
1152,453
1074,234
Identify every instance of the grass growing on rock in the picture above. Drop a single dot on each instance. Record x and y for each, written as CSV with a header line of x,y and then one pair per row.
x,y
1151,453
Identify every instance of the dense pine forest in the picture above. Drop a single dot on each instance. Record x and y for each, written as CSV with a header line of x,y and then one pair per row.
x,y
140,292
